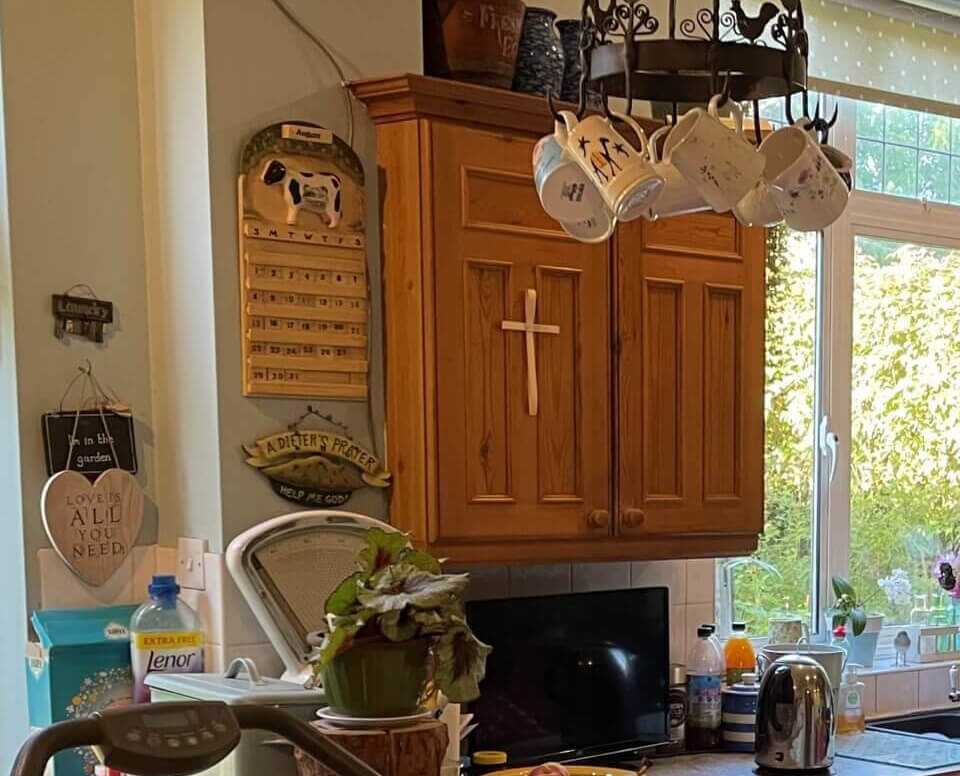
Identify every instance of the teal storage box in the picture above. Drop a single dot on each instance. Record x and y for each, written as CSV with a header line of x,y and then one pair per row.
x,y
80,664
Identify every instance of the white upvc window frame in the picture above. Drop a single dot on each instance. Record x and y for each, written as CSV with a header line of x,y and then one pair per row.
x,y
872,215
868,215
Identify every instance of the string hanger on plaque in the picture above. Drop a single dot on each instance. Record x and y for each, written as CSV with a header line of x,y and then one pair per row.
x,y
84,315
92,525
96,435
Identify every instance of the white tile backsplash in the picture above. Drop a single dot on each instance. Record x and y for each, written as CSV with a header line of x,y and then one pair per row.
x,y
897,692
700,582
659,573
678,634
264,655
588,577
869,695
60,588
933,686
540,580
696,615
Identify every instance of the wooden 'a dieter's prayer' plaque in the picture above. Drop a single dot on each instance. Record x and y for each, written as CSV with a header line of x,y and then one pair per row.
x,y
303,280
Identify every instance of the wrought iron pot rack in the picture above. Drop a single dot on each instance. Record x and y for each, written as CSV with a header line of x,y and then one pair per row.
x,y
690,55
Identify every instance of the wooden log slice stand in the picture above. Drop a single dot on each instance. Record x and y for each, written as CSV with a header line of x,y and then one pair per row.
x,y
409,751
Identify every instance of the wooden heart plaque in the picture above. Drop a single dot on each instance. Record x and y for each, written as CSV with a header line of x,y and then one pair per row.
x,y
92,526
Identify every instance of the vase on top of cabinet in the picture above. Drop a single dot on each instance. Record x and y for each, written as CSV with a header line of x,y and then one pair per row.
x,y
540,59
472,40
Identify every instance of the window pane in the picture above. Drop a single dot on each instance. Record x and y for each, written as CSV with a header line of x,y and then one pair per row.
x,y
901,126
776,580
870,120
934,132
900,171
905,446
955,180
933,172
869,173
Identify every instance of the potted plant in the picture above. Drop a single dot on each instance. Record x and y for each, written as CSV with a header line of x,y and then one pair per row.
x,y
863,630
396,618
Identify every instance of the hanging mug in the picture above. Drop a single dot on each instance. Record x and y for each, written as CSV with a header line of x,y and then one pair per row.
x,y
566,192
678,197
593,229
720,163
808,189
622,174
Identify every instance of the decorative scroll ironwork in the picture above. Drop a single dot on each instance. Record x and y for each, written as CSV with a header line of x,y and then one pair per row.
x,y
628,51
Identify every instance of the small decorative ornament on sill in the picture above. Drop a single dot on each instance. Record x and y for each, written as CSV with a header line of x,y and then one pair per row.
x,y
303,277
316,467
92,526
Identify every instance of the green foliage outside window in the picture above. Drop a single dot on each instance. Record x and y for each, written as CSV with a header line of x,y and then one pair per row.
x,y
905,478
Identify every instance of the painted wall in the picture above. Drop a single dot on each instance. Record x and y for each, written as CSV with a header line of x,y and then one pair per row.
x,y
74,216
260,70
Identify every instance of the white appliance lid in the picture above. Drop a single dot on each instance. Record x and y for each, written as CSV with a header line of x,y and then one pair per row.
x,y
234,687
286,568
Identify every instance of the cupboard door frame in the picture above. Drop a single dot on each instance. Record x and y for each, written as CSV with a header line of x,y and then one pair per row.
x,y
549,473
689,377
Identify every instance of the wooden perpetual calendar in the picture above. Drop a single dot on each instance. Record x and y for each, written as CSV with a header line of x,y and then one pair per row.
x,y
303,278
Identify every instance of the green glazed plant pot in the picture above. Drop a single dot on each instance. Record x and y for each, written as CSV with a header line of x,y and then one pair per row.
x,y
377,679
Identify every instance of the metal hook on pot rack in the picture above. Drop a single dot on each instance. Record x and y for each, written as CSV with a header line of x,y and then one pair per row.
x,y
811,123
823,126
756,122
723,91
676,118
553,108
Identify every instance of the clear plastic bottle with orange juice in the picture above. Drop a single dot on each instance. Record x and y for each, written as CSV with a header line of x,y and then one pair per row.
x,y
738,655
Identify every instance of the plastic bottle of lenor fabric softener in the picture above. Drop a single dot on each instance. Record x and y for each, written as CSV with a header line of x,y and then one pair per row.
x,y
704,685
166,636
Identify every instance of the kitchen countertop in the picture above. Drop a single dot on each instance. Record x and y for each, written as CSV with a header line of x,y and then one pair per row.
x,y
735,764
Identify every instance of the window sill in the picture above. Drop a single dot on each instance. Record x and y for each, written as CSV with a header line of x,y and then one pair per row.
x,y
888,667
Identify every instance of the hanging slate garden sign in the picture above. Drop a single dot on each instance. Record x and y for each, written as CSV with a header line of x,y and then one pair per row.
x,y
91,453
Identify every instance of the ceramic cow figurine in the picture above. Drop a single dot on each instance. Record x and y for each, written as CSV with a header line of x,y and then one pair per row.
x,y
318,192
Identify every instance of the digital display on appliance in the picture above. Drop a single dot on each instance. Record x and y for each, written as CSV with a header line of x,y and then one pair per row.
x,y
573,675
169,721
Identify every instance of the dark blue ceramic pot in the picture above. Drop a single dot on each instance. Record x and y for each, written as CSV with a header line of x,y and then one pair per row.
x,y
540,58
570,42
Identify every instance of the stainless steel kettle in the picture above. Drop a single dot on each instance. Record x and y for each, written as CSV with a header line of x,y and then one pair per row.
x,y
795,716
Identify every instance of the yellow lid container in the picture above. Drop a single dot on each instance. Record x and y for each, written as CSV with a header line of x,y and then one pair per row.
x,y
489,758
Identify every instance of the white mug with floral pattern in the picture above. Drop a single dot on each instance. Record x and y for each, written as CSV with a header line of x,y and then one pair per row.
x,y
719,162
621,172
678,196
808,189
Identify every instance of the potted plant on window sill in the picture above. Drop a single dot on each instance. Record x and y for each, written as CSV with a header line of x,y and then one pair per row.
x,y
395,620
863,630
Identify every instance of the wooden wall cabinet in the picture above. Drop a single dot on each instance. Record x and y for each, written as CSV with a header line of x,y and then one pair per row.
x,y
647,437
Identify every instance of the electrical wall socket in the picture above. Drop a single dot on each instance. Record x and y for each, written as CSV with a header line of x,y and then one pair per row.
x,y
190,562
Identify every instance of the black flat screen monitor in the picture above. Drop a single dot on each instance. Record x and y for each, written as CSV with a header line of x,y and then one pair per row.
x,y
573,676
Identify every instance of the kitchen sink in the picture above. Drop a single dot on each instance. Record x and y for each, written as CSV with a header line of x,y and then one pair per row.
x,y
940,723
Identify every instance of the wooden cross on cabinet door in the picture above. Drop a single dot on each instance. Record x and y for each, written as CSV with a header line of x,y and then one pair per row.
x,y
530,328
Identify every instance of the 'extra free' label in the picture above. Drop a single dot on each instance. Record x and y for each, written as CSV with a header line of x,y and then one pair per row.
x,y
169,652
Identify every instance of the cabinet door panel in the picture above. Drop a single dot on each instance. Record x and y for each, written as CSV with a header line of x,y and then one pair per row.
x,y
722,394
503,473
559,419
488,381
663,338
690,377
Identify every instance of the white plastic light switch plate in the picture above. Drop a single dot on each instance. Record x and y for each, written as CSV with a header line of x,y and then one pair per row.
x,y
190,562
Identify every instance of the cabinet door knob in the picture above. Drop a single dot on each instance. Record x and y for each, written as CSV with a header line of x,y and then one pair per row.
x,y
632,517
599,518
